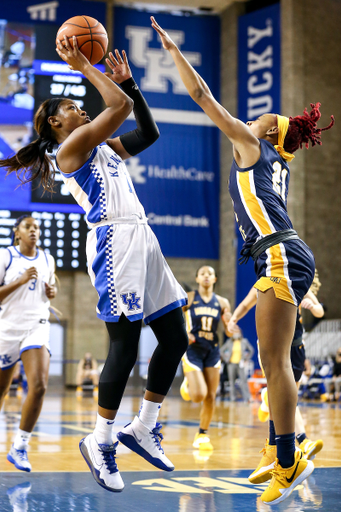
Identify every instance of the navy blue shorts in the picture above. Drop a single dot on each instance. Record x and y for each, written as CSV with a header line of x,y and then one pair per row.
x,y
297,356
200,355
288,268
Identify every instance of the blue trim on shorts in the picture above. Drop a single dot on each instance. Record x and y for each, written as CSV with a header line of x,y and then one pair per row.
x,y
10,366
177,304
115,318
34,346
99,267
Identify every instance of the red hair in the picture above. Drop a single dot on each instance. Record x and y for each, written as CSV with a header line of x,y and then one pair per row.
x,y
303,129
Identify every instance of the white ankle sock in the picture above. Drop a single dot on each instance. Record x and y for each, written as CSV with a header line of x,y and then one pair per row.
x,y
149,413
103,430
22,439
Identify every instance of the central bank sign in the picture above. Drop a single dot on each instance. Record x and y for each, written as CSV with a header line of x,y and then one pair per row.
x,y
177,178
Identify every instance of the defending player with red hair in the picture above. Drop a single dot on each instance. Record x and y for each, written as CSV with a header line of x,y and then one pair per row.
x,y
284,264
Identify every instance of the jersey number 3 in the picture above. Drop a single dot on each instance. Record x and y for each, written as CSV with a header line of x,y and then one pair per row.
x,y
279,179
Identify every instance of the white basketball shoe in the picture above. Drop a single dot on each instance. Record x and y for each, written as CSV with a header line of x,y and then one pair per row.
x,y
146,443
19,459
101,460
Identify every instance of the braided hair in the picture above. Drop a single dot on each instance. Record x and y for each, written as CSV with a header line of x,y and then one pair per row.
x,y
31,161
303,129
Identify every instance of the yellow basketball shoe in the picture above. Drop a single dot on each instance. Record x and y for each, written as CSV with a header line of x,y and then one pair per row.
x,y
263,411
263,471
202,442
311,448
184,390
284,480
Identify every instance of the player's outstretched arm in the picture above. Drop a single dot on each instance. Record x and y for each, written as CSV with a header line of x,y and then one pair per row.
x,y
86,137
131,143
238,133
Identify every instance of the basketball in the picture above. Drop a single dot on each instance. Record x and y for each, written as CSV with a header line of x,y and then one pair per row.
x,y
92,38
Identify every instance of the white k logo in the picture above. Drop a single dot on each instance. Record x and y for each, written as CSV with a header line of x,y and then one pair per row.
x,y
135,170
158,64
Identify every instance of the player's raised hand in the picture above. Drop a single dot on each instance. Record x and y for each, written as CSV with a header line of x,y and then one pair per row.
x,y
71,54
30,273
166,40
119,66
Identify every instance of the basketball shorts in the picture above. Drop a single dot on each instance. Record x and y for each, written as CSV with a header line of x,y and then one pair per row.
x,y
200,355
14,342
130,274
297,356
288,268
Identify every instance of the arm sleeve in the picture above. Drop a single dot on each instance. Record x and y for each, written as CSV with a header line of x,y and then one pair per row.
x,y
5,259
147,131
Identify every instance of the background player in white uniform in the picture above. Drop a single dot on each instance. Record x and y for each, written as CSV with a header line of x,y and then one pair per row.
x,y
125,262
27,282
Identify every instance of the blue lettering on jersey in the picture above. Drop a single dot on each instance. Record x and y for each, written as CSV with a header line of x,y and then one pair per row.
x,y
132,301
6,359
114,165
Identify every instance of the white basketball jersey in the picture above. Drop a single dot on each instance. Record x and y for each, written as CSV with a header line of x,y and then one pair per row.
x,y
28,304
103,187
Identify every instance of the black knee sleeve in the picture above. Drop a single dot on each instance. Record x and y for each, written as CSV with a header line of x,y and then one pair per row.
x,y
124,339
170,331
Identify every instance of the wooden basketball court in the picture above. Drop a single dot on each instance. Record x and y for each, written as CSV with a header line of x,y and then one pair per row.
x,y
201,482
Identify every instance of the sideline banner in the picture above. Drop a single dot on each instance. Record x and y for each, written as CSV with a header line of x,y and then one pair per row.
x,y
259,90
176,179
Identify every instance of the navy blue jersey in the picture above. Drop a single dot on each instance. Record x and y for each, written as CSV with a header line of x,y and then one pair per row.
x,y
299,326
202,318
259,195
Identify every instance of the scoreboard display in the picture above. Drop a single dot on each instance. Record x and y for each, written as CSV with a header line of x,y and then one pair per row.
x,y
31,68
61,234
54,79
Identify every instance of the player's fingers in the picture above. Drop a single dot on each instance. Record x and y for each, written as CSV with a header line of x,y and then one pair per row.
x,y
125,58
67,44
113,59
118,56
110,64
75,44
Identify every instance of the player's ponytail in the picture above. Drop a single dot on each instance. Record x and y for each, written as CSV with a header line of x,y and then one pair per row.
x,y
31,161
303,129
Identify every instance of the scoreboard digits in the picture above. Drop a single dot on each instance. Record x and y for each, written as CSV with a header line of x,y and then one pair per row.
x,y
61,234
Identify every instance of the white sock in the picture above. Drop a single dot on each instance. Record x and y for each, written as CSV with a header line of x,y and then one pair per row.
x,y
103,430
149,413
22,439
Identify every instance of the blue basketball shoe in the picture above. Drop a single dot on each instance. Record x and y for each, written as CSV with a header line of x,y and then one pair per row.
x,y
146,443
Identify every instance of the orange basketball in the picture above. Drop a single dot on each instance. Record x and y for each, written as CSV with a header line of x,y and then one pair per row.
x,y
92,38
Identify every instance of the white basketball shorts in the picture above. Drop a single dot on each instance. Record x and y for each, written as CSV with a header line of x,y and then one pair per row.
x,y
130,274
14,342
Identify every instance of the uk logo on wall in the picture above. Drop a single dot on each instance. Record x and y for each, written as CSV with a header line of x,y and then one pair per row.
x,y
176,179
